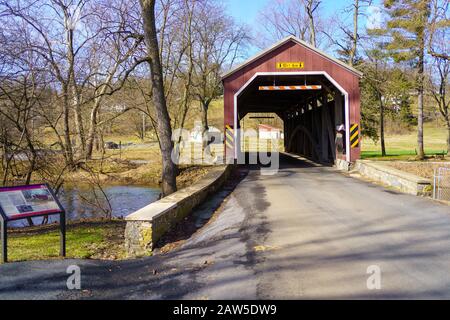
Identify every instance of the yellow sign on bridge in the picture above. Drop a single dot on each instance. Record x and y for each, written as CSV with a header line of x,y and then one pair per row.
x,y
290,65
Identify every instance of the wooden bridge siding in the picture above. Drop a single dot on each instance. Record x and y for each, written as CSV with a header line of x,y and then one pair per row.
x,y
292,51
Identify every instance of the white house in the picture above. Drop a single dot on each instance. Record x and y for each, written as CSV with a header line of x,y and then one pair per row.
x,y
268,132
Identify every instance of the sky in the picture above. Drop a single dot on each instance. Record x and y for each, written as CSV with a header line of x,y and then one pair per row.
x,y
246,11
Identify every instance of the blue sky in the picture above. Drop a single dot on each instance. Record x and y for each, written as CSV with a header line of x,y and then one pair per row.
x,y
247,10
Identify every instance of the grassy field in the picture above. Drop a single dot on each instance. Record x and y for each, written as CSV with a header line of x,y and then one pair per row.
x,y
85,240
149,153
403,147
399,146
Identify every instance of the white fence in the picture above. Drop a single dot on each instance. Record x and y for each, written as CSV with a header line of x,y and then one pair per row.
x,y
441,189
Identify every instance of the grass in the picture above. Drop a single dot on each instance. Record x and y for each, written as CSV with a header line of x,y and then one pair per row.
x,y
151,153
404,146
124,139
393,154
85,240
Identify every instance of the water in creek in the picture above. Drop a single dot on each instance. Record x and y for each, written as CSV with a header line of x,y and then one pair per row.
x,y
80,202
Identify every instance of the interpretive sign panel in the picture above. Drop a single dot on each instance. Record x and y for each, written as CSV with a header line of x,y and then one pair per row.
x,y
27,201
23,202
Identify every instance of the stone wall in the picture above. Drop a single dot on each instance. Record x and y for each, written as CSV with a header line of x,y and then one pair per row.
x,y
146,226
400,180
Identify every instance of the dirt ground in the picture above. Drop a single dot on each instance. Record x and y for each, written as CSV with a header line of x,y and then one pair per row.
x,y
129,173
421,169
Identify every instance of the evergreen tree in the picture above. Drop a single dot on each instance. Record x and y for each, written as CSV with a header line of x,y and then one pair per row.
x,y
408,20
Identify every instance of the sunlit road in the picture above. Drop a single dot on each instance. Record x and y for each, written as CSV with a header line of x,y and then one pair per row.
x,y
307,232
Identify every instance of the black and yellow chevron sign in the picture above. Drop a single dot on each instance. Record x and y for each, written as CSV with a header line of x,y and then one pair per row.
x,y
229,136
354,136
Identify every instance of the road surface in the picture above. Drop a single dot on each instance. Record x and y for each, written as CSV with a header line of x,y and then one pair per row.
x,y
307,232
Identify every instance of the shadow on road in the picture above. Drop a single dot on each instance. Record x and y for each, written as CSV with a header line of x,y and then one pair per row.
x,y
201,216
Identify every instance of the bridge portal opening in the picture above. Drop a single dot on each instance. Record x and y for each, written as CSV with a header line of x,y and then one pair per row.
x,y
315,95
309,110
261,132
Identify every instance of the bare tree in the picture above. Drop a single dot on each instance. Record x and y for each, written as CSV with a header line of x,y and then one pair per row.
x,y
219,42
164,128
89,55
46,24
311,7
347,36
439,24
279,20
22,87
439,77
177,40
185,67
110,64
299,18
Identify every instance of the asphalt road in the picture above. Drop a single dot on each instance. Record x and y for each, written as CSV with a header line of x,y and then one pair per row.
x,y
307,232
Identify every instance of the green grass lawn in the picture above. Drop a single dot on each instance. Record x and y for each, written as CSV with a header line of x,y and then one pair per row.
x,y
403,147
95,240
393,154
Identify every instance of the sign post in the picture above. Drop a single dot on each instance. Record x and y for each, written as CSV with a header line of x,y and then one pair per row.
x,y
32,201
4,240
62,233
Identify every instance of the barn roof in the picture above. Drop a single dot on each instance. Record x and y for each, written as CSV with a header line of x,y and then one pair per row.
x,y
298,41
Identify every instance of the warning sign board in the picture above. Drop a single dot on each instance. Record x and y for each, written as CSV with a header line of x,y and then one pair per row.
x,y
290,65
229,136
354,136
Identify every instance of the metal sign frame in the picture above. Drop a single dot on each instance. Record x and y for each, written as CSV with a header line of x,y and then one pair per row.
x,y
4,220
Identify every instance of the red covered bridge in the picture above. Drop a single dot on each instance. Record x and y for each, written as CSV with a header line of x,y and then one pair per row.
x,y
312,92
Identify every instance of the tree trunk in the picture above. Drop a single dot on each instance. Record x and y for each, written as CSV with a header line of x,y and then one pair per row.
x,y
420,145
66,122
4,151
204,108
72,87
355,34
382,140
79,124
310,8
6,158
169,170
31,168
420,87
204,105
92,131
184,110
448,137
90,139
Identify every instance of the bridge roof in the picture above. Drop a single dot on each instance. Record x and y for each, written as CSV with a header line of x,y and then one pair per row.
x,y
297,41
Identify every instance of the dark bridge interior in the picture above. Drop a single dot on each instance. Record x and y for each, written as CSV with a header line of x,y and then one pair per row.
x,y
310,116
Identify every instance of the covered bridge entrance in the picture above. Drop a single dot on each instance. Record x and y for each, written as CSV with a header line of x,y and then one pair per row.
x,y
315,95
